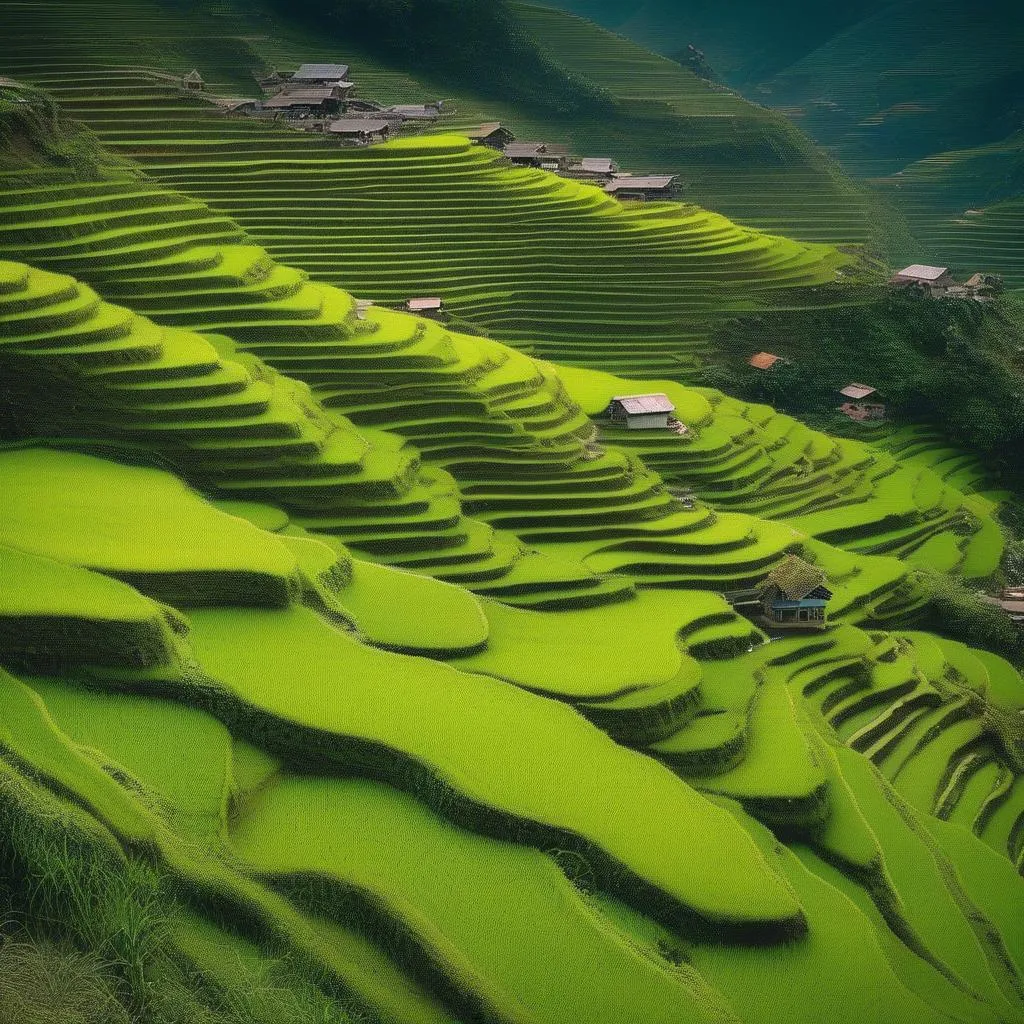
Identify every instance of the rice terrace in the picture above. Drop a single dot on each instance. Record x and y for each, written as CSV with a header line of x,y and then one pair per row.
x,y
511,512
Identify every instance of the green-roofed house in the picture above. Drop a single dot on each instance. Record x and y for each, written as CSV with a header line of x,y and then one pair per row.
x,y
795,596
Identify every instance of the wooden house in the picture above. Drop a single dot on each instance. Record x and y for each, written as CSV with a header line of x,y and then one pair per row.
x,y
364,130
641,412
933,280
305,103
538,154
863,402
593,168
193,81
416,111
493,134
426,306
795,596
643,187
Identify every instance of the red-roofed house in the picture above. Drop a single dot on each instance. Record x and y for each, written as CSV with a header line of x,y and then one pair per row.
x,y
765,361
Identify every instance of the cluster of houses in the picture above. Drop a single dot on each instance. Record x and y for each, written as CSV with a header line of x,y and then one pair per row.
x,y
322,97
601,171
939,283
860,402
1011,602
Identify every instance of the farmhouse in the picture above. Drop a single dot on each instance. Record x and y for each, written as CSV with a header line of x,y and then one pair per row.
x,y
862,403
641,412
934,280
795,596
537,154
416,112
425,306
360,129
643,187
320,74
593,168
193,81
493,134
765,361
305,103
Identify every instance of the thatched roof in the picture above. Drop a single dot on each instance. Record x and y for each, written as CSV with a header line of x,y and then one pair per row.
x,y
795,578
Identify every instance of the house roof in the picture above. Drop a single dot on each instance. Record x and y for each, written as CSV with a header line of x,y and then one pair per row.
x,y
300,98
858,391
358,126
922,272
321,72
419,110
795,578
640,404
194,76
764,360
598,164
521,149
425,303
484,131
644,181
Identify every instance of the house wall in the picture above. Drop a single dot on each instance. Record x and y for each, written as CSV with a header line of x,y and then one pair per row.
x,y
647,421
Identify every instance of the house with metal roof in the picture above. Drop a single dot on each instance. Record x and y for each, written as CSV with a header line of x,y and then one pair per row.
x,y
643,186
493,134
537,154
416,111
426,306
305,102
795,595
319,74
641,412
360,129
863,402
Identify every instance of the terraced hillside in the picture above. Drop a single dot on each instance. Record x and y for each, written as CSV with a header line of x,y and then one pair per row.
x,y
353,668
665,118
506,428
439,216
435,878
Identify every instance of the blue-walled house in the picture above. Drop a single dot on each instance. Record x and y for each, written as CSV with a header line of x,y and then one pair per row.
x,y
795,596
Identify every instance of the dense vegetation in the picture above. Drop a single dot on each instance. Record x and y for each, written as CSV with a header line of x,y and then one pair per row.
x,y
488,52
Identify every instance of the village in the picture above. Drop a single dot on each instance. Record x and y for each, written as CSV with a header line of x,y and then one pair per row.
x,y
322,98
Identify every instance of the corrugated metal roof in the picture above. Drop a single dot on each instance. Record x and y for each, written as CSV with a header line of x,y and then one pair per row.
x,y
416,110
425,303
627,182
858,391
358,125
598,164
483,130
300,98
321,72
638,404
764,360
522,149
922,272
